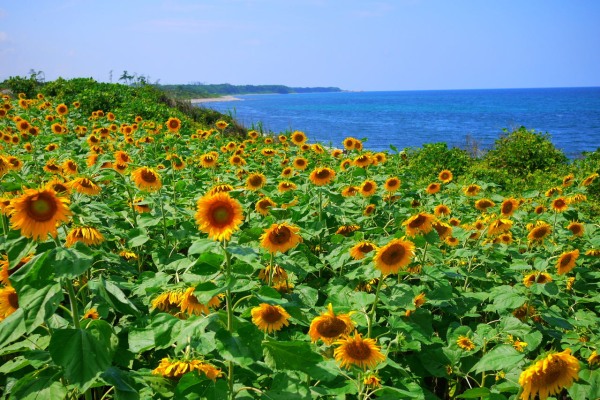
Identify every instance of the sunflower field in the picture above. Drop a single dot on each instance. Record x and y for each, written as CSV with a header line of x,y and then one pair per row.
x,y
151,258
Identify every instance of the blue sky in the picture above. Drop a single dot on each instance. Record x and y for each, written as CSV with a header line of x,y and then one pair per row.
x,y
352,44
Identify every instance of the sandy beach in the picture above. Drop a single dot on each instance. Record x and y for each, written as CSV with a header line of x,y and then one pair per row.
x,y
215,99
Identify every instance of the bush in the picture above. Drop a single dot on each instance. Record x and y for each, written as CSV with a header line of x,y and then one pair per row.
x,y
429,160
524,151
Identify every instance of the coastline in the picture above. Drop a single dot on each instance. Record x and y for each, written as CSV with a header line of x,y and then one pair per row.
x,y
215,99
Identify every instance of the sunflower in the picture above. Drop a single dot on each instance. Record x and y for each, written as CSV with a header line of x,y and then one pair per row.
x,y
92,313
396,254
368,188
219,215
190,305
369,209
9,301
361,249
364,353
420,223
451,241
445,176
51,167
484,204
472,190
69,167
345,164
441,210
540,230
590,179
504,238
38,211
175,369
58,129
508,207
140,206
454,221
358,145
221,125
322,176
362,161
593,253
566,261
349,143
335,153
329,327
433,188
576,228
541,278
146,179
255,181
418,301
280,237
465,343
168,301
121,157
593,359
237,161
287,172
560,204
519,345
208,160
269,318
549,375
128,255
443,229
263,205
173,124
268,152
526,311
286,186
392,184
346,230
499,226
276,275
300,163
350,191
298,138
85,234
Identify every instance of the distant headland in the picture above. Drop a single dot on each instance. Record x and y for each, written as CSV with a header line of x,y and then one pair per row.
x,y
198,91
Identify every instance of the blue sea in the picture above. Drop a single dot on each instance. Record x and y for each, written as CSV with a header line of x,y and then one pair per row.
x,y
412,118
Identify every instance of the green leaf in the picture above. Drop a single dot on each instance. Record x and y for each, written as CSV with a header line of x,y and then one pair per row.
x,y
122,384
39,303
295,356
40,385
114,296
82,356
72,261
12,327
193,386
474,393
502,357
588,385
201,246
241,347
137,237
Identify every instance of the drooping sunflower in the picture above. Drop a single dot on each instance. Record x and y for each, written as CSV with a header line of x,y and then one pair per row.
x,y
541,278
418,301
465,343
269,318
594,358
539,232
504,238
441,210
350,191
345,164
392,184
590,179
51,167
368,188
298,138
445,176
549,375
499,226
364,353
484,204
146,179
255,181
141,206
173,124
322,176
69,167
346,230
329,327
560,204
508,207
285,186
220,188
566,261
472,190
443,229
85,234
361,249
121,157
263,205
396,254
168,301
219,215
85,186
38,211
9,301
451,241
190,305
576,228
275,274
175,369
280,237
433,188
420,223
221,124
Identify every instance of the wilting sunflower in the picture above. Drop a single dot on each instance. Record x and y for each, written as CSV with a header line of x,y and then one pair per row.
x,y
286,186
445,176
420,223
361,249
175,369
85,234
300,163
589,180
141,206
396,254
539,232
472,190
368,188
9,301
418,301
298,138
173,124
560,204
541,278
69,167
255,181
322,176
280,237
38,211
168,301
190,305
51,167
441,210
576,228
146,179
85,186
465,343
549,375
433,188
219,215
329,327
484,204
263,205
276,275
392,184
269,318
346,230
508,207
566,261
364,353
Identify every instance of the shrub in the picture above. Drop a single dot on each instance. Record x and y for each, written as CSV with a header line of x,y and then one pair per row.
x,y
429,160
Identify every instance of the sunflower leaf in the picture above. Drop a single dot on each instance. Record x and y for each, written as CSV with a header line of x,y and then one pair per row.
x,y
295,356
503,357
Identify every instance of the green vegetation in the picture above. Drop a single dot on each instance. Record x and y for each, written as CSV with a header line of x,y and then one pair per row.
x,y
196,91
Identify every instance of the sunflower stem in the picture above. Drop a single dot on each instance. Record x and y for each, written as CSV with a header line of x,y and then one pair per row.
x,y
424,253
73,301
5,225
374,307
164,221
229,308
271,270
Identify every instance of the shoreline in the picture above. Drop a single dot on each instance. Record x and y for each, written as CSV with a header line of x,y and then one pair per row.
x,y
215,99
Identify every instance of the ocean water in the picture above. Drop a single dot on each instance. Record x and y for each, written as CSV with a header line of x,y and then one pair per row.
x,y
413,118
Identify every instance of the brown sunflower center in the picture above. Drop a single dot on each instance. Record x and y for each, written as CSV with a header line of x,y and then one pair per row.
x,y
417,222
507,207
331,327
221,213
148,176
559,203
575,229
300,163
565,260
366,248
42,207
393,183
358,350
555,369
255,180
298,138
271,315
280,235
393,254
539,233
323,174
542,279
86,183
173,124
444,176
13,300
368,186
